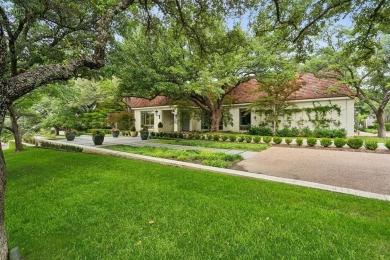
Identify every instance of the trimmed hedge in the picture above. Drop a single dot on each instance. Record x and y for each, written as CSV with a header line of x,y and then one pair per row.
x,y
267,139
326,142
62,147
387,144
288,140
299,141
278,140
355,143
311,141
371,144
340,142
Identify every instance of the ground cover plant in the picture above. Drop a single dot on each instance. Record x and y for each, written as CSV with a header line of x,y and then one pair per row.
x,y
206,157
84,206
219,145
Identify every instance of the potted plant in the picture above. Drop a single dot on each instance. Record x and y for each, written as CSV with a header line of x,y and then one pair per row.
x,y
160,127
133,131
70,134
115,132
98,137
144,133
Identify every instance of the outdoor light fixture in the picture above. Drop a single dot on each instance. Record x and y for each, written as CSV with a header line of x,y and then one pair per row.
x,y
174,111
156,112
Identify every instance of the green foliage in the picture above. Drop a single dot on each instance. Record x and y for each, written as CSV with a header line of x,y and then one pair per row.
x,y
224,137
241,139
387,144
248,139
160,125
355,143
326,142
311,141
288,140
267,139
263,131
218,145
256,139
299,141
63,147
286,132
371,144
210,137
206,157
232,138
340,142
98,133
277,139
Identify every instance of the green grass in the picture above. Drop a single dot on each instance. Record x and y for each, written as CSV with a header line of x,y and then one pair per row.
x,y
215,144
62,205
205,157
378,139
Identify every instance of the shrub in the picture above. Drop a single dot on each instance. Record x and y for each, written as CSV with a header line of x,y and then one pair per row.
x,y
253,130
355,143
325,142
216,137
160,125
340,142
306,132
180,135
387,144
210,137
387,126
224,137
62,147
232,138
196,136
288,140
299,141
371,144
277,139
248,139
267,139
311,141
256,139
340,133
284,132
241,139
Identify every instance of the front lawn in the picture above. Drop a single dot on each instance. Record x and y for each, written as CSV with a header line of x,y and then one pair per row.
x,y
62,205
205,157
215,144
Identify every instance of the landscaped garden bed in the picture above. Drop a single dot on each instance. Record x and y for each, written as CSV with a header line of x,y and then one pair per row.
x,y
205,157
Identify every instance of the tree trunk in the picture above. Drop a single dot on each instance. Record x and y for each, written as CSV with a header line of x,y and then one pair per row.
x,y
57,130
15,130
216,116
380,117
3,174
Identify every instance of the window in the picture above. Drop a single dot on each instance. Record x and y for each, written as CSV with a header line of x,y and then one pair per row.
x,y
245,119
147,119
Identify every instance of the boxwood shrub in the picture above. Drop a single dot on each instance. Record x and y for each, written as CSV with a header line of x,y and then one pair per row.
x,y
288,140
340,142
371,144
248,139
241,139
311,141
299,141
387,144
232,138
325,142
210,137
256,139
277,139
355,143
267,139
224,137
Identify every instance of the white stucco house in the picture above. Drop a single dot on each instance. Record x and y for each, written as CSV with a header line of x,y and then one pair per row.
x,y
317,101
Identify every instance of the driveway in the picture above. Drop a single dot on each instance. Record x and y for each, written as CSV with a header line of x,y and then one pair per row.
x,y
356,170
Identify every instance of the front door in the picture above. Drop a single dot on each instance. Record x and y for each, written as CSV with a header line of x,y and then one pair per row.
x,y
185,124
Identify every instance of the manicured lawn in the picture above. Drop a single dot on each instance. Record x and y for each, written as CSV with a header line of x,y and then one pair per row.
x,y
215,144
205,157
380,140
63,205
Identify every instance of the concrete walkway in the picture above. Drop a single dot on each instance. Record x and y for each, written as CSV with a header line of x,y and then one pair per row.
x,y
136,141
90,148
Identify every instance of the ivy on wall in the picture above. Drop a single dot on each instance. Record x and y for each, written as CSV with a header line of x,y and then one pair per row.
x,y
319,116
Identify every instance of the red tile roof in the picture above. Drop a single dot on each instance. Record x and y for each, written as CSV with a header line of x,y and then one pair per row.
x,y
312,88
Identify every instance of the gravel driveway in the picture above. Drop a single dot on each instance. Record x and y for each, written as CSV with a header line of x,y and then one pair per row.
x,y
356,170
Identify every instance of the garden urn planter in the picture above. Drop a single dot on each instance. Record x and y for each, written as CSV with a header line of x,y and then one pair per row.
x,y
133,133
115,133
144,135
98,140
70,136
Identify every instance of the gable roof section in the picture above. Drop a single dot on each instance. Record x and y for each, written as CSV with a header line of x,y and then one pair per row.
x,y
313,88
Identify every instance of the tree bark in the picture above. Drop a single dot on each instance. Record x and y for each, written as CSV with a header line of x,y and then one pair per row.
x,y
3,178
216,116
380,117
57,130
15,129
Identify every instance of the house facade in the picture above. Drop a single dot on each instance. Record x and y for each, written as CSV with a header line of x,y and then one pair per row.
x,y
319,103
